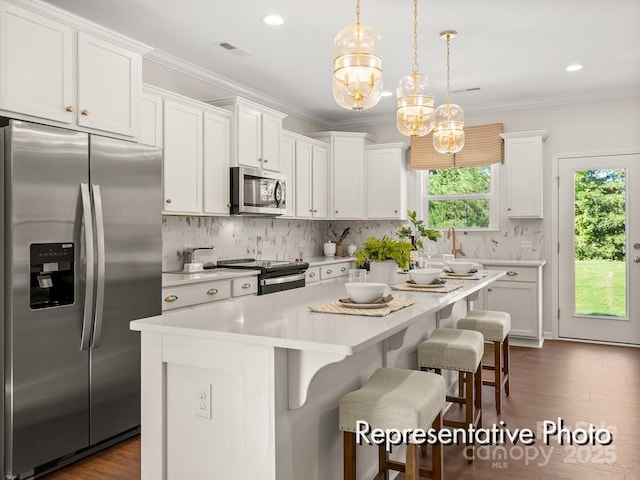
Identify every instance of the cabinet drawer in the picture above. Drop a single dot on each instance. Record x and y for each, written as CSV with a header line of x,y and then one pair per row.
x,y
244,286
193,294
313,275
334,271
516,274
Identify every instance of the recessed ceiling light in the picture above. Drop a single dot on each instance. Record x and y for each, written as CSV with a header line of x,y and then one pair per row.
x,y
273,20
574,68
387,93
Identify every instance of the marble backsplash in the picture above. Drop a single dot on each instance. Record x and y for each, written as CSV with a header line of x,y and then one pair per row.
x,y
277,238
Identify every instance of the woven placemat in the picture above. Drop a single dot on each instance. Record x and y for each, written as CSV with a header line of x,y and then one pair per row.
x,y
392,306
445,288
475,276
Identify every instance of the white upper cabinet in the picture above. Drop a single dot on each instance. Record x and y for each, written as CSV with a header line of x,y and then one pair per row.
x,y
183,158
197,151
386,182
319,195
288,169
217,133
256,131
311,179
57,69
346,173
109,80
523,173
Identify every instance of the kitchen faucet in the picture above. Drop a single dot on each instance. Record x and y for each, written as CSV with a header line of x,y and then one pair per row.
x,y
189,254
451,233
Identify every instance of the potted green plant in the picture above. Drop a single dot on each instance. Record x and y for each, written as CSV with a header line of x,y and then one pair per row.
x,y
417,230
383,255
337,238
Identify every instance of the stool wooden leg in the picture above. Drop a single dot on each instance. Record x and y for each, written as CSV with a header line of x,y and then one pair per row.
x,y
349,453
505,359
478,392
460,384
470,412
411,462
438,460
383,458
497,370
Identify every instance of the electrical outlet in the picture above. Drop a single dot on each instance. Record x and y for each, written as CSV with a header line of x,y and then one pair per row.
x,y
525,244
202,401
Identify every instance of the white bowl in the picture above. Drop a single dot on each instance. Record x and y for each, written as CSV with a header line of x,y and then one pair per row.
x,y
365,292
424,276
461,267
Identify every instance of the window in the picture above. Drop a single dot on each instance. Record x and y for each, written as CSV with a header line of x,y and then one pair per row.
x,y
465,198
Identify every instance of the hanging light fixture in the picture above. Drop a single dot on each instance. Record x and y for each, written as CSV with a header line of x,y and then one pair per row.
x,y
357,67
448,130
414,101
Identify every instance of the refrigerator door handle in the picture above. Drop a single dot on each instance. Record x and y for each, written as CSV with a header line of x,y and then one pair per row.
x,y
97,325
88,241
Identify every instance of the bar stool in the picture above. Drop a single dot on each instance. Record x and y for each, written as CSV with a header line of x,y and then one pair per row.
x,y
461,351
395,399
494,327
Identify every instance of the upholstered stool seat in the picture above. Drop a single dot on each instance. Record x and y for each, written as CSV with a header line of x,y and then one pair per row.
x,y
494,327
459,350
394,399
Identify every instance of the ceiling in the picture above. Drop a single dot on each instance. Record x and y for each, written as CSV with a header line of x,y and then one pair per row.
x,y
515,52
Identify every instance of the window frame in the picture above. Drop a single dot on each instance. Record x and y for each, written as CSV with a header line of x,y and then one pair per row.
x,y
493,196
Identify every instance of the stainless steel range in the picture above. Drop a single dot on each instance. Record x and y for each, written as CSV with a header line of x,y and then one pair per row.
x,y
275,275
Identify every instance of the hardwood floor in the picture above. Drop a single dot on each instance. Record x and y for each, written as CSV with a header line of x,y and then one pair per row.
x,y
579,382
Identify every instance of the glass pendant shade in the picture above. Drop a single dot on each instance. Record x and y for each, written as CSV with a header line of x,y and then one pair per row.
x,y
414,105
357,68
448,129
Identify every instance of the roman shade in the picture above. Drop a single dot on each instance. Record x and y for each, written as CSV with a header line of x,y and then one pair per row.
x,y
483,146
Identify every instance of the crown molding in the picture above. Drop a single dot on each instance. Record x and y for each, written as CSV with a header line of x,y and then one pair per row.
x,y
170,61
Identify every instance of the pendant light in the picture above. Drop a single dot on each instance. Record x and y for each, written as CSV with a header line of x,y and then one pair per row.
x,y
448,130
357,67
414,101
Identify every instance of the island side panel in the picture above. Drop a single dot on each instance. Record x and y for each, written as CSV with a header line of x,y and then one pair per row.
x,y
238,441
153,397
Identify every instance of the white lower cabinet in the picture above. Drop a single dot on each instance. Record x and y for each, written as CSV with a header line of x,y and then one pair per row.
x,y
313,275
336,270
208,291
520,294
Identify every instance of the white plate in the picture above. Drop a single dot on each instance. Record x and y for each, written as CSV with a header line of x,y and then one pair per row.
x,y
451,274
426,286
347,302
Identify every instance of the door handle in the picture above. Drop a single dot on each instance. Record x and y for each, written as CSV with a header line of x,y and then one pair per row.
x,y
636,259
88,279
100,274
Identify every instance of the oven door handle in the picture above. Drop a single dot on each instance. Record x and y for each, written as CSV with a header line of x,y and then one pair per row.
x,y
278,280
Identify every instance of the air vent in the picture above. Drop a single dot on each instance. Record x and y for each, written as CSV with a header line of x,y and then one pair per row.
x,y
234,50
473,89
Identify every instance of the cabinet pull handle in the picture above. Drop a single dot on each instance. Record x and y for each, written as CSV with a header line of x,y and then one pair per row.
x,y
169,200
246,285
69,109
329,272
512,274
85,112
343,269
312,274
170,298
212,291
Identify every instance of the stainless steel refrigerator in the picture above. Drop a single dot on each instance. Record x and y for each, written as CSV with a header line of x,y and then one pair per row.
x,y
81,255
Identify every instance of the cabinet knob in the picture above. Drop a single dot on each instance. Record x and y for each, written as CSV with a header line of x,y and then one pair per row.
x,y
168,200
336,211
212,291
315,211
265,160
228,205
395,211
509,209
170,298
488,289
329,272
69,109
343,269
246,285
84,112
512,274
311,210
312,274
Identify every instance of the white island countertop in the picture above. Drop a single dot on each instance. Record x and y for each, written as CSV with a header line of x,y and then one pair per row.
x,y
283,319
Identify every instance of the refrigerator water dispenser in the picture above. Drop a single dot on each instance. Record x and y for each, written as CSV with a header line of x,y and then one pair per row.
x,y
52,281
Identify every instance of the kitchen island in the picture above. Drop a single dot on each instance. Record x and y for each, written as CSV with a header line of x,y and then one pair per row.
x,y
249,388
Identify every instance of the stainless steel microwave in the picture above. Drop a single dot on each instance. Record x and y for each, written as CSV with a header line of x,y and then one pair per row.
x,y
256,192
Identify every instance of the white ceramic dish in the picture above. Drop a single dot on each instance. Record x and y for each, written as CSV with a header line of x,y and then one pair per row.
x,y
347,302
461,268
361,292
424,276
